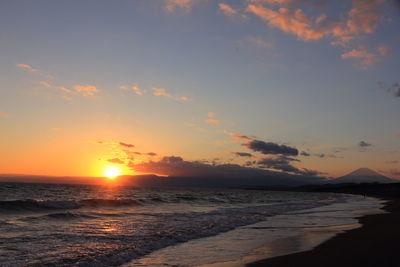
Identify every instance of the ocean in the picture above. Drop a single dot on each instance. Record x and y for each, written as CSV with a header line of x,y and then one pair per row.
x,y
91,225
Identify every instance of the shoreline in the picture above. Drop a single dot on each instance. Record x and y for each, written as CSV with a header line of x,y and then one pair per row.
x,y
373,244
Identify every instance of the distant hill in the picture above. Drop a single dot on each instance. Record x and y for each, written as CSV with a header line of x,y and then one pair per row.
x,y
363,175
274,179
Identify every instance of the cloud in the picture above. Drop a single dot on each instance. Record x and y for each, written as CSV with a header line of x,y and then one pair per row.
x,y
116,160
151,154
161,92
283,163
307,172
195,127
86,90
275,1
183,99
56,129
211,118
242,154
365,58
212,121
227,9
177,166
135,88
5,115
384,50
27,67
65,90
305,154
294,22
172,5
394,88
126,145
271,148
364,144
259,42
237,136
362,18
393,172
398,134
45,84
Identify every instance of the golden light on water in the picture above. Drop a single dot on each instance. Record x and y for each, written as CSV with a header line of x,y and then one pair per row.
x,y
112,172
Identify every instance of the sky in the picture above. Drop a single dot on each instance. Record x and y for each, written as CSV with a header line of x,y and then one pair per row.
x,y
185,87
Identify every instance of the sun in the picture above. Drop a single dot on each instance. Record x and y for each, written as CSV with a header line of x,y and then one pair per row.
x,y
112,172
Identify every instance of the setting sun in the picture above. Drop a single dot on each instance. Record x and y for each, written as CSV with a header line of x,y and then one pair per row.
x,y
112,172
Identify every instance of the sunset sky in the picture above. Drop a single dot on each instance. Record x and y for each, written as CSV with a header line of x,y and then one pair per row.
x,y
300,86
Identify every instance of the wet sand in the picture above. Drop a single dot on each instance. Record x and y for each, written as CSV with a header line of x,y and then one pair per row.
x,y
375,244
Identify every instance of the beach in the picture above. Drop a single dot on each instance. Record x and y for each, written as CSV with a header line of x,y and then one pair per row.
x,y
374,244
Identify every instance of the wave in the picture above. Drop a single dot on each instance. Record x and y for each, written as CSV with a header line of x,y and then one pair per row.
x,y
35,205
109,202
30,204
190,226
58,216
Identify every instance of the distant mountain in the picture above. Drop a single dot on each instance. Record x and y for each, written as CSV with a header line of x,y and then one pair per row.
x,y
363,175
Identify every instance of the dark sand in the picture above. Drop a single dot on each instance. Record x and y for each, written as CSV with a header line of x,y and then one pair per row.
x,y
375,244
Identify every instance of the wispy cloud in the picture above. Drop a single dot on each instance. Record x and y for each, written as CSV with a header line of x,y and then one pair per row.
x,y
134,88
212,121
274,1
65,90
242,154
183,99
294,22
227,9
45,84
211,118
158,91
195,127
362,18
86,90
126,145
365,58
238,136
161,92
116,160
260,42
27,67
173,5
5,115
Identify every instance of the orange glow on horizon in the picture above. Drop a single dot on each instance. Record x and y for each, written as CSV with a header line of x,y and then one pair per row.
x,y
112,172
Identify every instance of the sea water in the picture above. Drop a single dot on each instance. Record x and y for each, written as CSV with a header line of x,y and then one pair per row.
x,y
88,225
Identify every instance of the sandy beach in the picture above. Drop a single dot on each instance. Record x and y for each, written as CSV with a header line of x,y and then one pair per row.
x,y
374,244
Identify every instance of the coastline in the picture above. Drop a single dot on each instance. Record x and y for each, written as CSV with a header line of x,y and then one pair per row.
x,y
373,244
